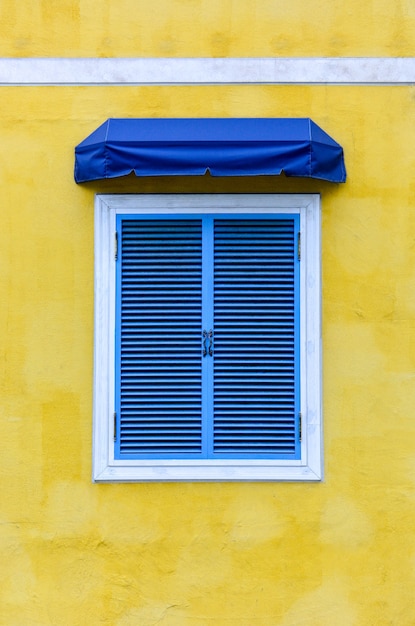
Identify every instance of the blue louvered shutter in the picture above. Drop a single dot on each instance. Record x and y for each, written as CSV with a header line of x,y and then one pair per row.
x,y
256,322
158,338
185,284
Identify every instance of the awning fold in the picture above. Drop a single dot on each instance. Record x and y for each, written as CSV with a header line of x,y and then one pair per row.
x,y
223,147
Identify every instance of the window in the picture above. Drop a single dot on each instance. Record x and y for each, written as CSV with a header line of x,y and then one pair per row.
x,y
207,338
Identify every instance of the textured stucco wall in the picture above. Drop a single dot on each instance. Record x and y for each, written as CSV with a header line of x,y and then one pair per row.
x,y
218,28
341,552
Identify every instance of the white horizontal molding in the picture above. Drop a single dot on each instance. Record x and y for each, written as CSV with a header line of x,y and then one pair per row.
x,y
208,71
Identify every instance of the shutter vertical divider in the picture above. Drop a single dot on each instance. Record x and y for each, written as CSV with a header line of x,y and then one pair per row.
x,y
207,325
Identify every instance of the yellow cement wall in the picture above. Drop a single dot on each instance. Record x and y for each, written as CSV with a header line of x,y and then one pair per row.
x,y
218,28
337,553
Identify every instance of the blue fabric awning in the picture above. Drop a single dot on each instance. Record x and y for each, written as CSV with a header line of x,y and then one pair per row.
x,y
223,147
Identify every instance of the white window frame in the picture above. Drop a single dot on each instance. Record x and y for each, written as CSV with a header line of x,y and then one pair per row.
x,y
310,466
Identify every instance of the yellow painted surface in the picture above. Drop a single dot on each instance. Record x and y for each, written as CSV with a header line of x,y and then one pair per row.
x,y
338,553
218,28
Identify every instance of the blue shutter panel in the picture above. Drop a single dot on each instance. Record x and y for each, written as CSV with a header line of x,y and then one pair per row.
x,y
256,337
158,340
239,275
